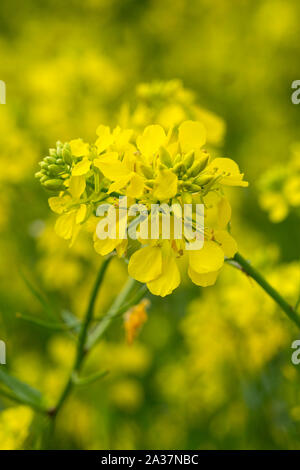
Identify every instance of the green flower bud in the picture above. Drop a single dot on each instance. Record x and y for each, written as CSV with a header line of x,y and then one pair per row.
x,y
54,169
147,171
50,160
54,185
66,154
52,152
179,167
59,161
59,148
177,159
44,178
189,159
43,165
39,174
165,157
198,166
203,179
191,186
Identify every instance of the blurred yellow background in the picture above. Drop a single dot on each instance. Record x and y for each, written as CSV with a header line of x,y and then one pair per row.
x,y
212,367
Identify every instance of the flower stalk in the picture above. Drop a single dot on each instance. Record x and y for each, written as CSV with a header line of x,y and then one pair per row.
x,y
247,268
87,340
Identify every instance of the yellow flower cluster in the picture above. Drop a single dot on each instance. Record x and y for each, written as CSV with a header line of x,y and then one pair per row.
x,y
153,167
280,188
169,103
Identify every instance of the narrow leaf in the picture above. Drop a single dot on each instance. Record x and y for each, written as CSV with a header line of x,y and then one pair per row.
x,y
48,325
22,391
90,378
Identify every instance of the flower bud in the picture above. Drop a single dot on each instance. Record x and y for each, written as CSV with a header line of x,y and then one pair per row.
x,y
50,160
59,147
191,186
189,159
177,159
54,185
198,166
54,169
66,154
203,179
165,157
179,167
147,171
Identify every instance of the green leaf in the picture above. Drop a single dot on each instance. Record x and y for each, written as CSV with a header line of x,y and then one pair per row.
x,y
71,321
49,325
90,378
22,391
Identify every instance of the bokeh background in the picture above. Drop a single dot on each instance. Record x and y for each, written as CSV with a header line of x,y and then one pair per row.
x,y
212,367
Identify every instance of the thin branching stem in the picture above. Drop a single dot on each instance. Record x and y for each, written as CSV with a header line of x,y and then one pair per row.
x,y
82,338
87,340
241,263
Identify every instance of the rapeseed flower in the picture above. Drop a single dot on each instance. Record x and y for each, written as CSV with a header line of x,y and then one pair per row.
x,y
154,167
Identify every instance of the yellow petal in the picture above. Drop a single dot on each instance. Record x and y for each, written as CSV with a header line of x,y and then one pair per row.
x,y
146,264
230,170
77,186
153,137
65,224
81,213
203,280
105,138
227,242
111,168
104,247
209,258
79,148
136,186
224,213
191,135
165,185
57,204
169,278
118,185
122,138
81,168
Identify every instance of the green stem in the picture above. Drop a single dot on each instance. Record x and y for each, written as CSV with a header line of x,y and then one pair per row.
x,y
115,310
252,272
85,341
80,352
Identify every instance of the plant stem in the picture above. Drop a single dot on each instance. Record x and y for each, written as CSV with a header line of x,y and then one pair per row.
x,y
115,310
85,341
252,272
82,338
